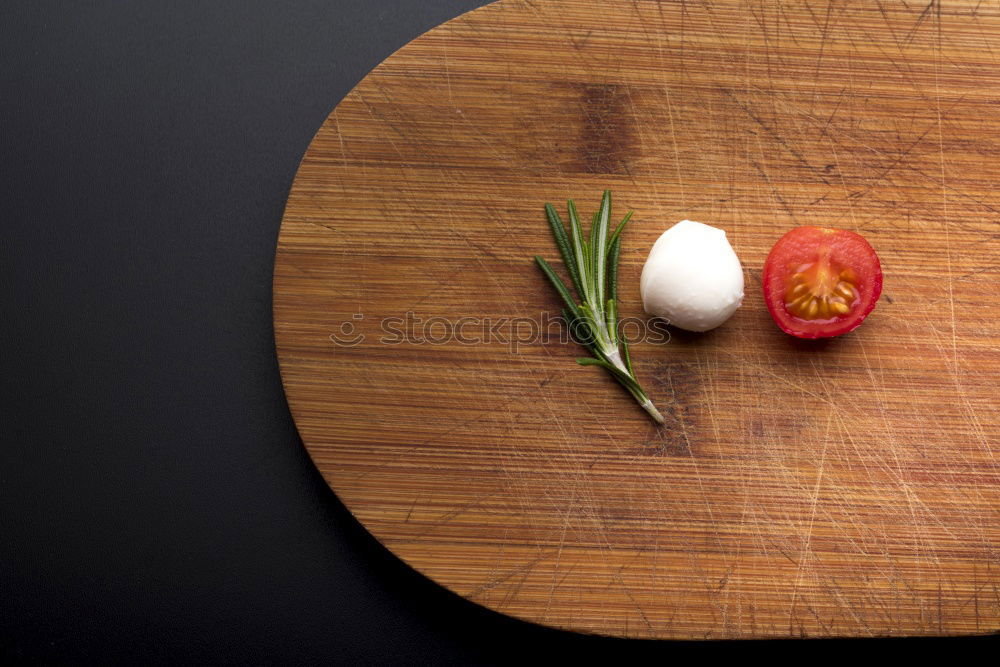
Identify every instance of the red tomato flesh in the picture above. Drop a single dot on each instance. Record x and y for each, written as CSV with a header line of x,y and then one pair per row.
x,y
821,282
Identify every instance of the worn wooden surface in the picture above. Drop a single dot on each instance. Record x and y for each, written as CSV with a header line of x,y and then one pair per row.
x,y
846,487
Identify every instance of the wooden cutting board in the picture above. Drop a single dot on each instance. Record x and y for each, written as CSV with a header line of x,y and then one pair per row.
x,y
843,487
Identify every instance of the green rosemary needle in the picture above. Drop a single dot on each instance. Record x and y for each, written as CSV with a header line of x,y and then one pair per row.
x,y
592,317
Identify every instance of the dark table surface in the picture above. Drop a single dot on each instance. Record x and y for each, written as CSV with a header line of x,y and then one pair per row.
x,y
156,503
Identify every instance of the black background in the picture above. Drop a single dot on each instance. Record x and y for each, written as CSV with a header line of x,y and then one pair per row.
x,y
156,503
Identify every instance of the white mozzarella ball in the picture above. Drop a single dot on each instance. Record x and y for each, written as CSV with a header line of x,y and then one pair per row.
x,y
692,277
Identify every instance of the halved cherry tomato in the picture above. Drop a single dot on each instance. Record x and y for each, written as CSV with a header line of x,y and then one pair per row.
x,y
821,282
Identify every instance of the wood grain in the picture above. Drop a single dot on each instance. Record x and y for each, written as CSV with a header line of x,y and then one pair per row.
x,y
846,487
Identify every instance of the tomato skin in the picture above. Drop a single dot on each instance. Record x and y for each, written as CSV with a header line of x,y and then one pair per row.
x,y
802,247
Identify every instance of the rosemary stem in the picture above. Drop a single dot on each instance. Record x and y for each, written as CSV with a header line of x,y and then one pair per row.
x,y
593,267
615,357
648,406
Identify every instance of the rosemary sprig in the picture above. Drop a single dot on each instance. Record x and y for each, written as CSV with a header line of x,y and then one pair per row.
x,y
592,264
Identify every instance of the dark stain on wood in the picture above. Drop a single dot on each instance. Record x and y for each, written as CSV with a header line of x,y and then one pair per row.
x,y
606,131
676,387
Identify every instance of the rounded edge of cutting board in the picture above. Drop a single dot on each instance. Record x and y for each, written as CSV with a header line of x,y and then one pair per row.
x,y
291,404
